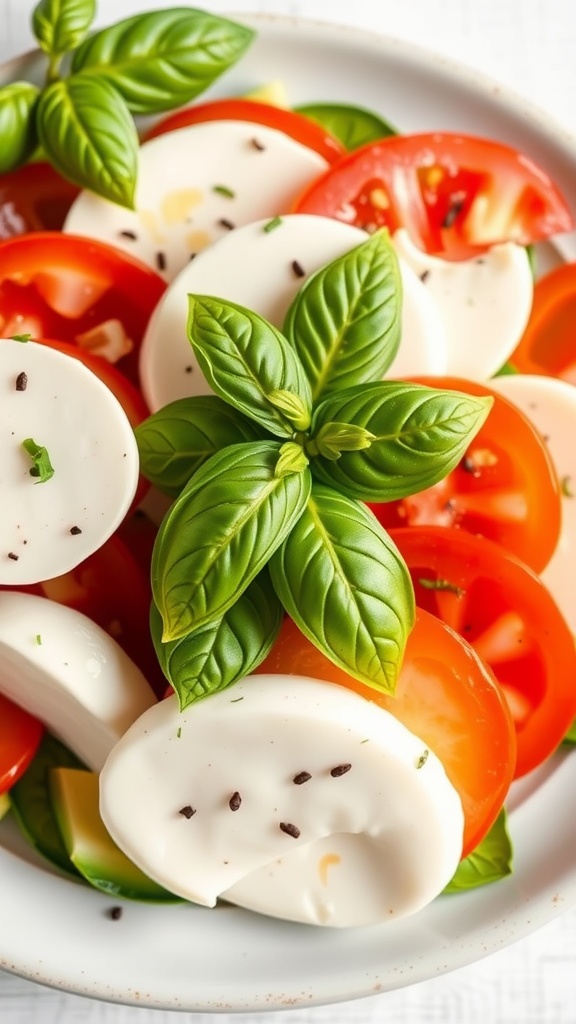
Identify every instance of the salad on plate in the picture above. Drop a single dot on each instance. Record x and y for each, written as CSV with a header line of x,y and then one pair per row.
x,y
288,485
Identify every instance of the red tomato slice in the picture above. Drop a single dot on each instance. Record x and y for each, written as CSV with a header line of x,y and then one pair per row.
x,y
34,198
113,590
54,285
295,125
547,345
453,193
505,488
508,616
447,697
20,735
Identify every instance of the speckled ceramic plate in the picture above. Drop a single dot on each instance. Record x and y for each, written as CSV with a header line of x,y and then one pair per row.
x,y
59,933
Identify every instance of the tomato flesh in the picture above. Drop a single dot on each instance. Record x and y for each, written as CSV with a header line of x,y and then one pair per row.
x,y
298,127
508,616
505,488
20,735
447,697
34,198
547,345
455,194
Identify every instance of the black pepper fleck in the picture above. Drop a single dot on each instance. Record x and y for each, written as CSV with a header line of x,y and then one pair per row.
x,y
258,145
298,268
13,556
235,801
131,235
453,211
75,530
161,260
424,276
187,811
290,829
115,913
340,769
21,381
225,223
301,777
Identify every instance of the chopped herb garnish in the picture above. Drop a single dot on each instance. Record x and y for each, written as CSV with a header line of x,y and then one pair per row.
x,y
339,770
39,639
290,829
42,467
441,585
422,759
223,190
178,732
566,487
22,381
272,224
21,337
236,699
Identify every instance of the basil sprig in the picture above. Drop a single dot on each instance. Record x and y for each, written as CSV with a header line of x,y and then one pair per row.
x,y
289,499
141,65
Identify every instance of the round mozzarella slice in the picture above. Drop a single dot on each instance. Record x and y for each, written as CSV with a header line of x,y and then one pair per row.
x,y
50,402
68,672
303,779
263,270
484,303
551,406
194,186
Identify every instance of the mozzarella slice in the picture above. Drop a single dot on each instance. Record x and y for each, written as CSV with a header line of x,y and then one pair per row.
x,y
68,672
263,270
48,526
194,186
551,406
304,785
484,303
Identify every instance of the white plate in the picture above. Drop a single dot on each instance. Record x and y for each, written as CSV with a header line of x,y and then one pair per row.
x,y
58,932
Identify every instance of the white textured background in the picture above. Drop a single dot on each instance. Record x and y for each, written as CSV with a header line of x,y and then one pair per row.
x,y
530,46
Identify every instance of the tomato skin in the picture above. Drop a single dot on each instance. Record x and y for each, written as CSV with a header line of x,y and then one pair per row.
x,y
20,735
447,697
505,488
508,616
455,194
34,198
298,127
54,285
547,345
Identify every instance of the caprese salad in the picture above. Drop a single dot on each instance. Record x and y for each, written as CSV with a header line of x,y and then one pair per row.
x,y
283,548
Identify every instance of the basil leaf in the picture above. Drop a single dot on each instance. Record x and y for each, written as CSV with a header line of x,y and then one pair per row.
x,y
176,440
89,136
344,323
488,862
218,654
420,435
59,25
221,531
342,580
248,363
163,59
17,124
352,126
570,737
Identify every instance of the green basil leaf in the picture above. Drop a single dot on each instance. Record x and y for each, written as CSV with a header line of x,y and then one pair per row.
x,y
488,862
352,126
221,531
420,435
218,654
177,439
247,362
163,59
344,323
59,25
345,584
17,124
89,136
570,737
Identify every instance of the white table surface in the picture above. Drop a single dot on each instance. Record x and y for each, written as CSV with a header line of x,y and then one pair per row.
x,y
530,46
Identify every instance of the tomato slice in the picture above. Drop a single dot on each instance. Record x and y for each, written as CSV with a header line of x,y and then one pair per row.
x,y
298,127
447,697
505,488
547,345
54,285
112,589
20,735
455,194
34,198
506,613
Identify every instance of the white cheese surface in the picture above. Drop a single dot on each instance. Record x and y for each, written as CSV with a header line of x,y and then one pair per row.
x,y
194,186
47,527
263,271
374,832
68,672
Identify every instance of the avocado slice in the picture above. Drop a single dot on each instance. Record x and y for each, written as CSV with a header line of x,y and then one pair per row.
x,y
75,801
